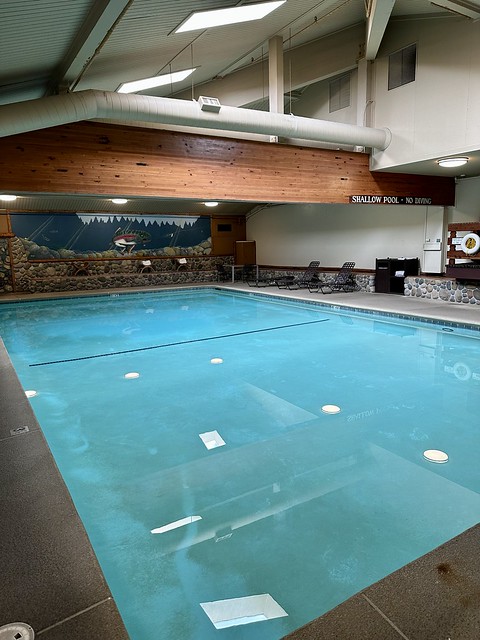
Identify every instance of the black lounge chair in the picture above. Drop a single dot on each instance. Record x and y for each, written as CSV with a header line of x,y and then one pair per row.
x,y
262,281
248,272
302,281
222,274
343,281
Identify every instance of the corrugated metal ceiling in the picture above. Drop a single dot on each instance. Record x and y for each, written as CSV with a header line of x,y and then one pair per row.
x,y
37,35
67,203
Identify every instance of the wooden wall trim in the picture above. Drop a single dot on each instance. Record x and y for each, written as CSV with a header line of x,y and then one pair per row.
x,y
104,159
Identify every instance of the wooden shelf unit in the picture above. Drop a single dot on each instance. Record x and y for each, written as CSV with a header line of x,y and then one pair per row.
x,y
386,270
459,271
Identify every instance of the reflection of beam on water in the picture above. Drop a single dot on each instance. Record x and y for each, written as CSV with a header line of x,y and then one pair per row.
x,y
259,463
424,478
284,412
307,486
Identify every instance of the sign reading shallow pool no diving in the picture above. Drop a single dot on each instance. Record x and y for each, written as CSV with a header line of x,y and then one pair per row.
x,y
389,200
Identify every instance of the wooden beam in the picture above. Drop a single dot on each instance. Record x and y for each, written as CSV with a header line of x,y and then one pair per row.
x,y
103,159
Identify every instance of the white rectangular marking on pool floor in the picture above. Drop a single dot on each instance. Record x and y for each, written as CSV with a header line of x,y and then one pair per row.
x,y
238,611
212,439
176,524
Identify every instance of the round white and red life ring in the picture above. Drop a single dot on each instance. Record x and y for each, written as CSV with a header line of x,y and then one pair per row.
x,y
470,243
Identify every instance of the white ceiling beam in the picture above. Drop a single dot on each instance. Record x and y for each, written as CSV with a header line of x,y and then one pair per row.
x,y
377,21
93,32
458,8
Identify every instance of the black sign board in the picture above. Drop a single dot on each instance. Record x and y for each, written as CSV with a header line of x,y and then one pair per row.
x,y
389,200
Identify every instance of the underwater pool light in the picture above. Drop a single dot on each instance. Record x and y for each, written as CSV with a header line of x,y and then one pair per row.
x,y
216,361
434,455
331,408
30,393
131,375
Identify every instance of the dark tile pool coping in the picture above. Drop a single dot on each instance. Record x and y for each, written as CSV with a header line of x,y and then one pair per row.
x,y
436,597
51,579
50,576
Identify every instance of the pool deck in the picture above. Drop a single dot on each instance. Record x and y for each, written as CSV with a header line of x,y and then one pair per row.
x,y
51,580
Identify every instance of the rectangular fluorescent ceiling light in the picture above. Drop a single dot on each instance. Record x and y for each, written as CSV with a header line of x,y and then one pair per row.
x,y
239,611
212,439
234,15
177,524
156,81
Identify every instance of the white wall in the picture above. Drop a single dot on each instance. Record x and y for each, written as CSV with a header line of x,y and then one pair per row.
x,y
315,102
293,235
437,114
467,201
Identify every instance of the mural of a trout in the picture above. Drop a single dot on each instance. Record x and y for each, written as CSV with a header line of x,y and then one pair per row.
x,y
126,240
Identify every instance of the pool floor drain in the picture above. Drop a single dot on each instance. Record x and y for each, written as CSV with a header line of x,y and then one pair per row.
x,y
16,631
17,432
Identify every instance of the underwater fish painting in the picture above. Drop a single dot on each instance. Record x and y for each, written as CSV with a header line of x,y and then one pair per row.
x,y
94,235
124,239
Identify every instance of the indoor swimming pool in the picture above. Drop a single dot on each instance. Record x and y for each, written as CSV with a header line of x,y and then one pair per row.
x,y
243,463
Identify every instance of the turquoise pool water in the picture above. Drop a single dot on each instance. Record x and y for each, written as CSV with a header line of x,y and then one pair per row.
x,y
299,504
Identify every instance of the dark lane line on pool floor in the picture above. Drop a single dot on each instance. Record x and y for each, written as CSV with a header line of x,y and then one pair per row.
x,y
176,344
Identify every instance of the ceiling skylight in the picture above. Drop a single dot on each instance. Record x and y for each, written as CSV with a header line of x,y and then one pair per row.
x,y
234,15
156,81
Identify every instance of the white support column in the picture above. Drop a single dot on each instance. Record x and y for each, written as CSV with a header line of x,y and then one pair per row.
x,y
363,96
275,77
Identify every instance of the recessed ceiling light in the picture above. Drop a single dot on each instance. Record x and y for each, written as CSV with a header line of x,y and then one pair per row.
x,y
234,15
211,204
453,162
156,81
7,198
119,200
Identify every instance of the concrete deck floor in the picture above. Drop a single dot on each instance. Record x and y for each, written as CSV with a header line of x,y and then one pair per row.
x,y
382,302
52,581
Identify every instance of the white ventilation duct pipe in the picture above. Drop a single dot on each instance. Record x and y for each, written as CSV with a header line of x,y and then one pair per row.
x,y
32,115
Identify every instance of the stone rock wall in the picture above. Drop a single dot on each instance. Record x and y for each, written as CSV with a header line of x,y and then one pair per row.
x,y
78,275
364,282
6,285
441,290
